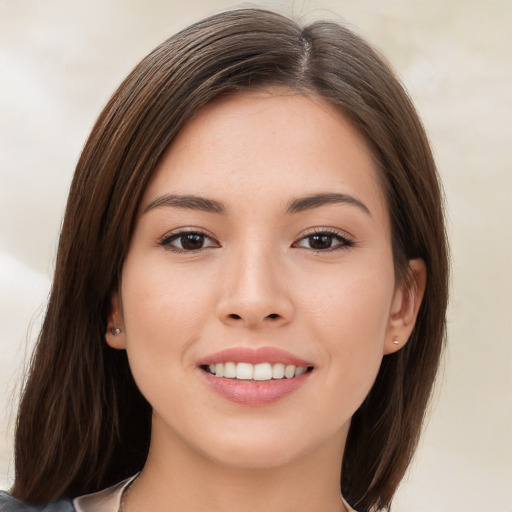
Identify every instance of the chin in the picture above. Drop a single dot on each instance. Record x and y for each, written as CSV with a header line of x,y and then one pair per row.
x,y
254,456
267,448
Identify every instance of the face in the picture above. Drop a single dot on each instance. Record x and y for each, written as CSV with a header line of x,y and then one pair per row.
x,y
262,247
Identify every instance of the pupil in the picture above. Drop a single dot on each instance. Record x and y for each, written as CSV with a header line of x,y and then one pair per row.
x,y
320,241
192,241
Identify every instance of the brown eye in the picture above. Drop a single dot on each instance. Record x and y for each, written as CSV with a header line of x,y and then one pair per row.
x,y
320,242
187,241
324,241
192,241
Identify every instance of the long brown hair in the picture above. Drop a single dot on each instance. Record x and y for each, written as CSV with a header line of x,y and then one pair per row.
x,y
82,424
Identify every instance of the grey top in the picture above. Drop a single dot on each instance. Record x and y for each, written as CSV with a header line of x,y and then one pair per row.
x,y
107,500
10,504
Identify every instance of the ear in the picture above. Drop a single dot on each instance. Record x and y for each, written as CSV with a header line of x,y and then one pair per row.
x,y
115,335
405,307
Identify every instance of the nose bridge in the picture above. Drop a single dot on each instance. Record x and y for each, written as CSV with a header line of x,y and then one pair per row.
x,y
255,293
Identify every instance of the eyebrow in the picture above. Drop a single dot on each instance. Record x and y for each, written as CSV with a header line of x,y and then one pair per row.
x,y
189,202
298,205
317,200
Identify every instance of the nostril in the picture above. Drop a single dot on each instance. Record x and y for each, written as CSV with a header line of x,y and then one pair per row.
x,y
273,315
235,316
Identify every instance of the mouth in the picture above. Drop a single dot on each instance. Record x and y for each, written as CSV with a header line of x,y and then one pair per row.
x,y
265,371
254,376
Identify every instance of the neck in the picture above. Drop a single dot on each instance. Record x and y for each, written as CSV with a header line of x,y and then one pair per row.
x,y
182,479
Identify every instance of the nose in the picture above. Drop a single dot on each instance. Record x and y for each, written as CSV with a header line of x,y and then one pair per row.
x,y
255,292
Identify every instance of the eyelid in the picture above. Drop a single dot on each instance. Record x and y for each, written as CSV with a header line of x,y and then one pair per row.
x,y
346,239
170,236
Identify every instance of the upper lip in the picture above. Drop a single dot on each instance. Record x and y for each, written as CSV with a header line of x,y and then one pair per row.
x,y
254,355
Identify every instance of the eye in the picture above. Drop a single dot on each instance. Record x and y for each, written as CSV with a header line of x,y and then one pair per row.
x,y
324,241
187,241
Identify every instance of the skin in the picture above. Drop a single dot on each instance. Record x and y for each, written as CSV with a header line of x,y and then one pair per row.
x,y
257,280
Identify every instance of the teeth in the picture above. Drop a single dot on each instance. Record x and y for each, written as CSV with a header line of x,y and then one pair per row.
x,y
278,371
244,371
289,371
230,370
299,371
219,370
262,371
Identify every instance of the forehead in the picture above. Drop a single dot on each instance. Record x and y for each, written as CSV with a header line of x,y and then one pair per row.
x,y
268,143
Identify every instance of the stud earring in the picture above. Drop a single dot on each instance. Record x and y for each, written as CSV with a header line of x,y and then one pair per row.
x,y
396,342
114,331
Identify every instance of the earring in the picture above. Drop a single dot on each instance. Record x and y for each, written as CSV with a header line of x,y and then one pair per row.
x,y
396,342
114,331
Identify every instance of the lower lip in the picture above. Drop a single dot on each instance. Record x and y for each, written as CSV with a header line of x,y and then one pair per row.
x,y
254,393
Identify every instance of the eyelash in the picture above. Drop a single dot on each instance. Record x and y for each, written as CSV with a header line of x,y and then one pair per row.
x,y
166,241
343,241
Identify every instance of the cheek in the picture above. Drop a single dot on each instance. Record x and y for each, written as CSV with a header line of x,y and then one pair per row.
x,y
349,315
163,312
351,304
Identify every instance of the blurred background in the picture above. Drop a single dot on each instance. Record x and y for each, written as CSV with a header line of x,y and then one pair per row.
x,y
61,60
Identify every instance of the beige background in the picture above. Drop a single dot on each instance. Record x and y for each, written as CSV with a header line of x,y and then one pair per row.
x,y
60,61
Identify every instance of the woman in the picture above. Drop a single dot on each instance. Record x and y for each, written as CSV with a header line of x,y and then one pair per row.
x,y
249,298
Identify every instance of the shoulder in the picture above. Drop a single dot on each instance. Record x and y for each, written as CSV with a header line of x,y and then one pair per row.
x,y
10,504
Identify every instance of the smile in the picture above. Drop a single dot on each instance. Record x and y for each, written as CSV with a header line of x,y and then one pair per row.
x,y
254,376
256,372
